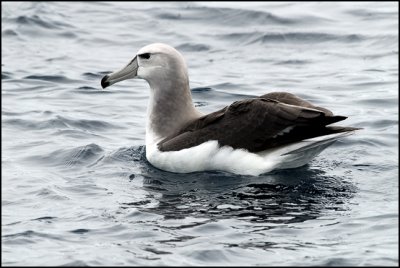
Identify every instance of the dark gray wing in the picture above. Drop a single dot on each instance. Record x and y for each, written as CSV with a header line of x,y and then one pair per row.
x,y
289,98
253,124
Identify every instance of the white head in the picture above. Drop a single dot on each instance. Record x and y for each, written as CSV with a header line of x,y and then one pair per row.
x,y
156,63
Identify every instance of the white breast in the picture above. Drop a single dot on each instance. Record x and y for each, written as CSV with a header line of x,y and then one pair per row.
x,y
207,156
210,156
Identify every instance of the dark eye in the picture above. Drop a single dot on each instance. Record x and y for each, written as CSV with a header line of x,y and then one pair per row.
x,y
145,56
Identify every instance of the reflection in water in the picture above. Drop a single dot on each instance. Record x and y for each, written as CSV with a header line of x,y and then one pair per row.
x,y
287,196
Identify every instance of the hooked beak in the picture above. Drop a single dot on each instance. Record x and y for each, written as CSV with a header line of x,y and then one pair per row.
x,y
128,72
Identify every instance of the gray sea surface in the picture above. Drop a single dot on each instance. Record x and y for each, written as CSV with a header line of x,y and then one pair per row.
x,y
77,188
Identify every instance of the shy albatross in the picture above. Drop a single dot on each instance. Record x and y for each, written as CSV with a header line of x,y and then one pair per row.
x,y
277,130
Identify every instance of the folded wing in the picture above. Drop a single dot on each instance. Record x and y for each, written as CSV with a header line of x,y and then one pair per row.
x,y
257,124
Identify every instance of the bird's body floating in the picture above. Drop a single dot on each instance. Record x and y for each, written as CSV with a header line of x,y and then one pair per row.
x,y
275,131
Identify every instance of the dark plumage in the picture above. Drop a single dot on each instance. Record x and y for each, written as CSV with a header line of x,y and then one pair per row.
x,y
257,124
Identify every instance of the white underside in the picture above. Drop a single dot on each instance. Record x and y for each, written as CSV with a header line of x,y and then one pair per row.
x,y
210,156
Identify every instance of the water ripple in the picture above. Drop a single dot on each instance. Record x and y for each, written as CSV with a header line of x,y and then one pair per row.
x,y
289,37
60,122
228,16
74,157
38,21
51,78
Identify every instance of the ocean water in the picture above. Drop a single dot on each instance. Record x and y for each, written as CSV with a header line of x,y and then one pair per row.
x,y
78,190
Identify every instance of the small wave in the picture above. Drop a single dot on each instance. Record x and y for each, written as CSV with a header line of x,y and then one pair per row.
x,y
94,75
189,47
242,37
378,124
374,70
369,14
371,142
135,153
41,25
60,122
75,157
49,194
293,62
104,73
35,125
292,37
31,234
201,89
51,78
28,233
380,55
93,91
14,113
244,16
45,218
200,103
68,34
77,263
80,231
9,32
36,20
85,124
230,89
224,16
156,251
87,88
225,85
6,75
169,16
125,155
75,133
385,102
62,58
299,37
216,91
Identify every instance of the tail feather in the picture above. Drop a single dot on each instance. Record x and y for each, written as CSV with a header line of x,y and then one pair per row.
x,y
338,129
298,154
333,119
317,142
